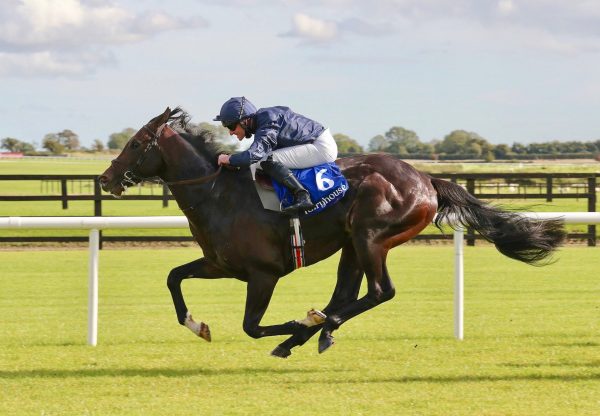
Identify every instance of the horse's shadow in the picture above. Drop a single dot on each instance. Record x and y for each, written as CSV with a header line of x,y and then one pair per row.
x,y
191,372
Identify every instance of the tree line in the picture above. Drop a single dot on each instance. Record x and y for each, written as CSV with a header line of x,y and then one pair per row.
x,y
458,144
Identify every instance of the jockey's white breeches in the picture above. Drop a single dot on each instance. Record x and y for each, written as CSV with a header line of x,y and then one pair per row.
x,y
322,150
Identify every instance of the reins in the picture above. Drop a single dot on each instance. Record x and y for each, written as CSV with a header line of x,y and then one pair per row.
x,y
199,180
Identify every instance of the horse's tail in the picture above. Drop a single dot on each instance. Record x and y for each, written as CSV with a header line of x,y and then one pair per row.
x,y
514,235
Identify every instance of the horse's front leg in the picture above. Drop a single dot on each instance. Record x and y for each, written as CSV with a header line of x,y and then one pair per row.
x,y
258,295
202,269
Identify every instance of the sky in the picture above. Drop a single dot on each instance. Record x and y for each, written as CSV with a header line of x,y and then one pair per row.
x,y
510,70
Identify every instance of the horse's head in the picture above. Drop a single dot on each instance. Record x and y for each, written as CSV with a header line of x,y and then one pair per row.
x,y
140,158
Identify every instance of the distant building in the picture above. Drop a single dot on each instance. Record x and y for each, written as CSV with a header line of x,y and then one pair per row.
x,y
11,155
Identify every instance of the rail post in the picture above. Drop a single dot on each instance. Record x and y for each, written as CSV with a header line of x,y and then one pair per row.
x,y
459,285
63,194
93,288
592,208
98,206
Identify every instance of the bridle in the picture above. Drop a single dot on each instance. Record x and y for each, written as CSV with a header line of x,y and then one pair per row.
x,y
133,176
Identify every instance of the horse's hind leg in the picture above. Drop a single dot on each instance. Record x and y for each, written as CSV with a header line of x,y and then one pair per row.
x,y
380,289
258,295
349,277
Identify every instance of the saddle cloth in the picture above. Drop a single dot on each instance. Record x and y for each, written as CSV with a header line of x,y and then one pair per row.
x,y
325,184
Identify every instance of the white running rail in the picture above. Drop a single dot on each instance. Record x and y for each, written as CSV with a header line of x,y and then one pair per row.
x,y
94,224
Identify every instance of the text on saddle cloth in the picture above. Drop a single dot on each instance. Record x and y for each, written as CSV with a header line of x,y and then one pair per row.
x,y
325,184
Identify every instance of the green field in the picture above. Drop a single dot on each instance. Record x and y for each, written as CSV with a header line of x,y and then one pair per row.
x,y
75,166
97,164
532,340
126,208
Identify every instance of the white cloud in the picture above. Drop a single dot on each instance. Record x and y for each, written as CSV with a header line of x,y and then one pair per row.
x,y
51,63
506,7
546,25
314,29
55,36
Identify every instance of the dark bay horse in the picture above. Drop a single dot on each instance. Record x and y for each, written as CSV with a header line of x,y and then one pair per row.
x,y
388,203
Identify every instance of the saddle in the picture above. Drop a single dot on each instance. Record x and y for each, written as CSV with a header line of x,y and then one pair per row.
x,y
266,192
264,187
263,180
325,184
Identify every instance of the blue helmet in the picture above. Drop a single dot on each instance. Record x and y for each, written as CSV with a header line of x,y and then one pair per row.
x,y
235,109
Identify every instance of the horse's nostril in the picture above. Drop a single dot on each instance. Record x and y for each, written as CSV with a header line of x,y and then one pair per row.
x,y
103,179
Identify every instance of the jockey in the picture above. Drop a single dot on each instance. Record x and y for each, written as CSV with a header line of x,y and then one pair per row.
x,y
283,140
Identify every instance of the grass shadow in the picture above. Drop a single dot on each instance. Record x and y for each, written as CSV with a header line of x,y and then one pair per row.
x,y
471,379
594,363
147,372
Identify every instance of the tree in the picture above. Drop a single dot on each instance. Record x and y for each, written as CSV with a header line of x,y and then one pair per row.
x,y
402,141
97,146
16,145
502,151
69,139
378,144
346,144
218,133
52,143
461,142
10,144
119,140
518,148
473,148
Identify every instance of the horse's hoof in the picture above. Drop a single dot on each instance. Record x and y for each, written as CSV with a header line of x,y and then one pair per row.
x,y
325,341
204,332
281,352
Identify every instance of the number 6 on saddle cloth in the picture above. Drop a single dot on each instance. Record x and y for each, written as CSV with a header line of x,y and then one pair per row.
x,y
325,184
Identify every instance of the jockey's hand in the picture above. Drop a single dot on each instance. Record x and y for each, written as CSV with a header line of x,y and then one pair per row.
x,y
223,159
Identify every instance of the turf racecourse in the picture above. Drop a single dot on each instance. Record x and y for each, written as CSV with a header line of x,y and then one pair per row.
x,y
532,342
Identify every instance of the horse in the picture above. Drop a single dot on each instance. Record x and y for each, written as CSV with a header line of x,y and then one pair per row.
x,y
388,203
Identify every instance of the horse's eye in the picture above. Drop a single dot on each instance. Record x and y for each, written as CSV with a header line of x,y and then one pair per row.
x,y
135,144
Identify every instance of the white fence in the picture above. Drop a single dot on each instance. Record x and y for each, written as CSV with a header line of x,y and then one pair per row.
x,y
94,224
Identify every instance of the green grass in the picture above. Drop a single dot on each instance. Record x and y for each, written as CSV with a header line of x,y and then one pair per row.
x,y
531,346
132,208
55,166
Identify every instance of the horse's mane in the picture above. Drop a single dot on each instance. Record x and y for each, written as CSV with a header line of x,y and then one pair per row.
x,y
203,141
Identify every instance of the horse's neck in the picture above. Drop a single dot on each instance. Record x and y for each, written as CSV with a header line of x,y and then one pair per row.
x,y
183,162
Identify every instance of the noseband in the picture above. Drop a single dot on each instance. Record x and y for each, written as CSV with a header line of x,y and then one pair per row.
x,y
132,176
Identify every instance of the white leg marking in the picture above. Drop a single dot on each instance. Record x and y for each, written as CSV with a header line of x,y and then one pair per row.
x,y
313,317
200,329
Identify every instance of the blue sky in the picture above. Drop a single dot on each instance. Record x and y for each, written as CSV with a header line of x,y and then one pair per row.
x,y
510,70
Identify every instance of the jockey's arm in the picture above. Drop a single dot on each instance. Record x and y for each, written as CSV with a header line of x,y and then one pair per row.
x,y
265,140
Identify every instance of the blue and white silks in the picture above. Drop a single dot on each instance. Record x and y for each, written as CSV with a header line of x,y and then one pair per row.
x,y
325,184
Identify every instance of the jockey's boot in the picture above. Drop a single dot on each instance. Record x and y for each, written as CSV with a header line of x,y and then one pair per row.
x,y
284,176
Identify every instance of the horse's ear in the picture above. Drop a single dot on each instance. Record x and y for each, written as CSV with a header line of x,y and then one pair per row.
x,y
161,119
165,116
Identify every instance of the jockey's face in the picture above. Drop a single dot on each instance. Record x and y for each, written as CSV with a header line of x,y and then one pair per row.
x,y
238,131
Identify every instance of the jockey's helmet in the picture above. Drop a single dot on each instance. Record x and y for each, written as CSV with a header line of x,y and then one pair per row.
x,y
234,110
